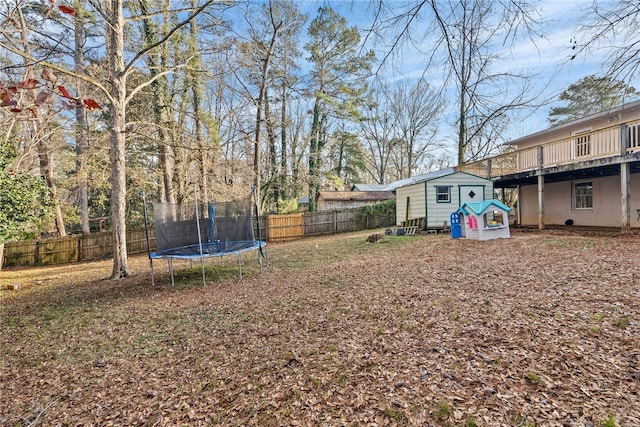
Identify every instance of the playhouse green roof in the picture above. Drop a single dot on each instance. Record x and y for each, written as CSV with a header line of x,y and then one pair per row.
x,y
479,207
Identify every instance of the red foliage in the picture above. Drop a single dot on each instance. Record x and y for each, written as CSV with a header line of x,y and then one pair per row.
x,y
68,10
5,98
91,104
64,92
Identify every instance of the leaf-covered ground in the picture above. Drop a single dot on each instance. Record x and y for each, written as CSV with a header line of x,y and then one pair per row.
x,y
542,329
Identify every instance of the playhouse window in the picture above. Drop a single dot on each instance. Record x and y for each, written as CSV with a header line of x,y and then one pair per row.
x,y
583,195
493,219
443,194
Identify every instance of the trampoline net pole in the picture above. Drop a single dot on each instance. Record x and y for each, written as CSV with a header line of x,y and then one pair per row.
x,y
195,195
146,234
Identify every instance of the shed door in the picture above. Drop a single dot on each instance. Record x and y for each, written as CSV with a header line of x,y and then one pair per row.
x,y
471,193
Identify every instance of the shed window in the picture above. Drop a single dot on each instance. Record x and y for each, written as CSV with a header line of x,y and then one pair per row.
x,y
583,195
443,194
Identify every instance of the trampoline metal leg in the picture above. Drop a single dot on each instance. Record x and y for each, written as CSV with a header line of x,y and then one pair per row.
x,y
170,261
153,276
204,277
240,265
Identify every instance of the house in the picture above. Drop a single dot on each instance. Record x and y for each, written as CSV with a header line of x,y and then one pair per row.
x,y
430,198
584,173
484,220
334,200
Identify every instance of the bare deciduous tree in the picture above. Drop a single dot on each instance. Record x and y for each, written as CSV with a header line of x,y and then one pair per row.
x,y
468,37
612,27
416,109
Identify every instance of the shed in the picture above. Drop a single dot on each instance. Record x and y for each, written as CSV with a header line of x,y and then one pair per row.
x,y
485,220
334,200
433,196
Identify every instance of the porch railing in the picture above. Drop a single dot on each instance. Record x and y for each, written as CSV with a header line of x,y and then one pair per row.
x,y
581,147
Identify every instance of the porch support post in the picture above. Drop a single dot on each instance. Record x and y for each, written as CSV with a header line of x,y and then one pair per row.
x,y
518,205
625,180
625,191
540,189
540,202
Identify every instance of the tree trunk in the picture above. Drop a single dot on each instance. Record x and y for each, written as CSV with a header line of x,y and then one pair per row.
x,y
160,99
46,171
82,134
259,108
314,157
196,92
271,143
38,129
282,184
117,122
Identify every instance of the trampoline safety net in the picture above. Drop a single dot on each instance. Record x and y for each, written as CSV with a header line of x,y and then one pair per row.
x,y
224,227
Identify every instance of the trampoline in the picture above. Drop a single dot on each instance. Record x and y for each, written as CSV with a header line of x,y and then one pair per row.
x,y
195,231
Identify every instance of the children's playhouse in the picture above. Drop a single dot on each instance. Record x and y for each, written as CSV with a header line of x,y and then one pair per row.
x,y
484,220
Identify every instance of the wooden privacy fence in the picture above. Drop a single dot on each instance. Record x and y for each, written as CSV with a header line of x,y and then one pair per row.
x,y
273,228
295,226
62,250
285,227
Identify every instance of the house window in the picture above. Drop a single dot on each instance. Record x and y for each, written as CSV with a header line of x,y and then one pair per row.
x,y
582,144
443,194
583,195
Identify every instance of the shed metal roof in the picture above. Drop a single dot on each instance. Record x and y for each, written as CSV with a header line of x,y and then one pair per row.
x,y
356,195
368,187
420,178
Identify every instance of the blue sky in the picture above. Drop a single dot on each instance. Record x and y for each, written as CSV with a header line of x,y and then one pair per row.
x,y
549,60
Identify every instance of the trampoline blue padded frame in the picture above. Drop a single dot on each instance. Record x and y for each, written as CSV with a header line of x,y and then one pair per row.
x,y
183,232
177,254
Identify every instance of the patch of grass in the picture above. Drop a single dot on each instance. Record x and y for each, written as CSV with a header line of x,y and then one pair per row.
x,y
532,378
610,421
403,313
564,242
598,317
395,415
471,422
521,421
622,322
342,380
48,313
443,411
594,329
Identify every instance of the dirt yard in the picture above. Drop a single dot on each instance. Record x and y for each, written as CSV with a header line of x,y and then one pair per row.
x,y
542,329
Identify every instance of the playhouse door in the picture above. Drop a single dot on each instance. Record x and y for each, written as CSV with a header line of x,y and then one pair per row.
x,y
471,193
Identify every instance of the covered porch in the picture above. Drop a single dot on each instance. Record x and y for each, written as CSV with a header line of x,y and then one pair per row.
x,y
587,157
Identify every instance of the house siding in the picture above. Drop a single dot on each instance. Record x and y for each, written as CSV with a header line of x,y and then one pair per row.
x,y
436,213
558,203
